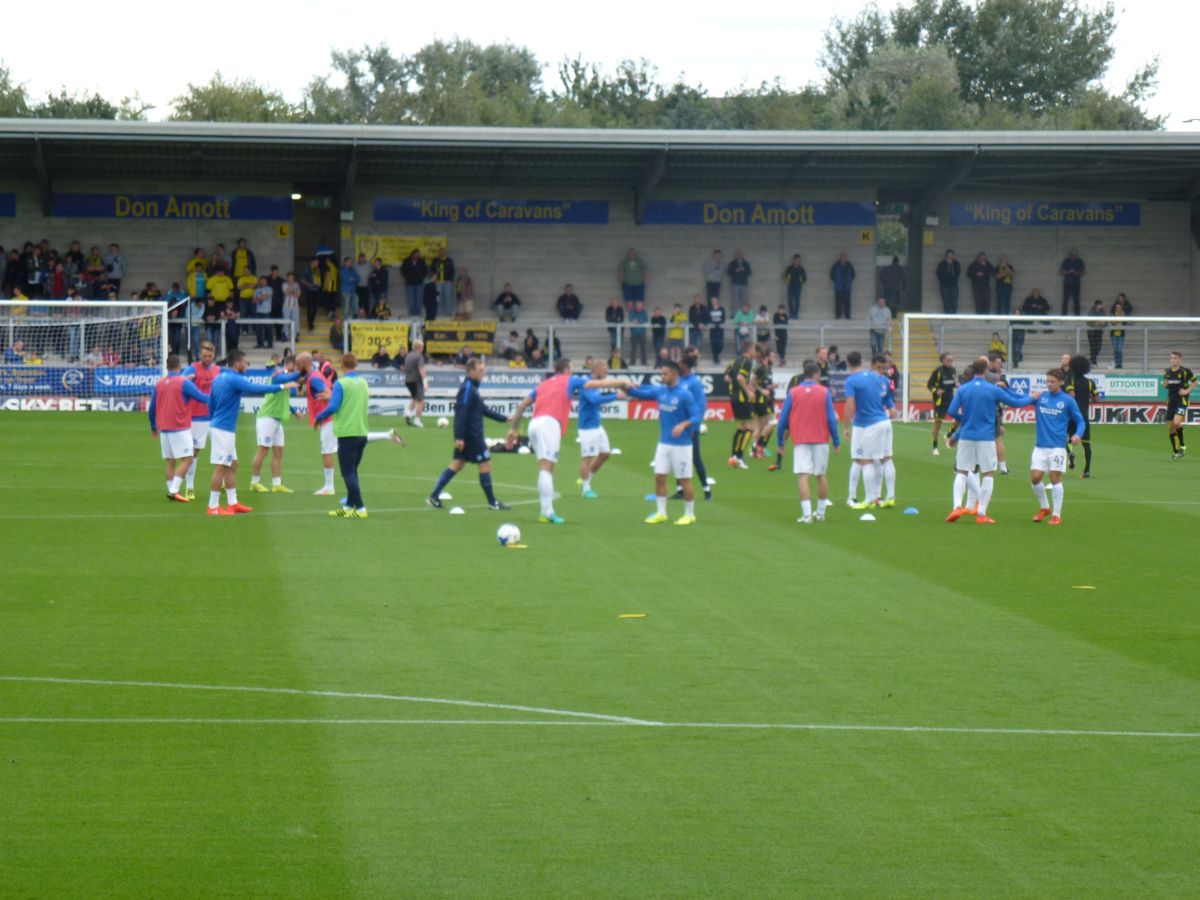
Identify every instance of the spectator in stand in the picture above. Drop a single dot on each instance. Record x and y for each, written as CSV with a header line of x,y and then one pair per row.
x,y
842,276
377,282
1072,271
780,321
615,361
196,312
1095,333
74,260
762,326
463,356
229,316
362,269
247,284
292,292
275,282
430,297
15,355
381,360
221,287
115,267
998,346
631,273
1122,299
881,323
1035,305
716,328
464,296
638,319
12,273
675,332
536,360
893,281
698,320
1005,273
739,278
743,322
414,271
714,274
568,304
510,348
94,273
94,357
328,283
337,332
658,332
243,259
442,270
949,270
219,260
197,266
1117,332
264,335
348,280
57,282
382,311
530,346
311,283
614,315
794,277
507,303
980,273
35,273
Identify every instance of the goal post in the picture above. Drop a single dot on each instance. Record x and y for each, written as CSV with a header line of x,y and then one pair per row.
x,y
1123,349
84,348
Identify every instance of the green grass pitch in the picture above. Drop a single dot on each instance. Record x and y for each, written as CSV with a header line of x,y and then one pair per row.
x,y
284,704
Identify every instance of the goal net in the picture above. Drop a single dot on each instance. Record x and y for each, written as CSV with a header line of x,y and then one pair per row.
x,y
81,349
1128,355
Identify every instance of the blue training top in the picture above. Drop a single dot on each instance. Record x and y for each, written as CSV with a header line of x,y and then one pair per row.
x,y
871,393
590,401
675,405
469,410
974,407
225,401
696,387
1055,409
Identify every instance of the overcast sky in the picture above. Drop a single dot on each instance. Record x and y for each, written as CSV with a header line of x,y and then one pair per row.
x,y
157,48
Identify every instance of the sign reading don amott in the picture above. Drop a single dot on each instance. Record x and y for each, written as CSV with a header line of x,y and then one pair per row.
x,y
760,212
171,206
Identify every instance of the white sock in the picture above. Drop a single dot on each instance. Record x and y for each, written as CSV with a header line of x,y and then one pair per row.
x,y
173,485
329,479
587,485
191,477
169,480
255,479
1004,468
806,508
373,436
546,492
870,483
276,481
889,472
689,508
877,479
960,489
214,499
661,503
231,496
972,489
822,505
985,494
1039,491
855,472
1056,492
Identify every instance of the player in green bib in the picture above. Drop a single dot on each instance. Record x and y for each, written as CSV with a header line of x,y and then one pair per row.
x,y
348,407
269,425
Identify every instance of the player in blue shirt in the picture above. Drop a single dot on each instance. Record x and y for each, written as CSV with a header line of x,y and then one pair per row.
x,y
690,380
677,415
469,443
225,404
868,426
974,408
594,448
1056,411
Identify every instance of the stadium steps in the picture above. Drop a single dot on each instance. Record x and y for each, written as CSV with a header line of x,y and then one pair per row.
x,y
923,354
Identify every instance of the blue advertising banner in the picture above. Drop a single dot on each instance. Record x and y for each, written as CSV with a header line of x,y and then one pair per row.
x,y
113,380
170,206
29,381
759,212
489,212
8,205
1044,213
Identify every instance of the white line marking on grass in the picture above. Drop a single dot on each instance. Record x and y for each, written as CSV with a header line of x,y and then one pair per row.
x,y
613,722
570,717
299,692
177,513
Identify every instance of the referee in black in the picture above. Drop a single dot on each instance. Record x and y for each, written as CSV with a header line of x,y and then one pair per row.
x,y
469,444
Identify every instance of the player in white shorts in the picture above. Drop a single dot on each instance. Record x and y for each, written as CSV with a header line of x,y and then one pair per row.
x,y
970,454
268,426
594,448
1059,423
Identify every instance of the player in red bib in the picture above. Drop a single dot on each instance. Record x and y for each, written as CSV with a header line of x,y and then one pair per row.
x,y
202,373
170,414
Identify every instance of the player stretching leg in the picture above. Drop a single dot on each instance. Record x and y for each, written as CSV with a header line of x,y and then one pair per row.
x,y
469,443
171,420
975,409
1055,409
202,373
226,404
809,419
1179,382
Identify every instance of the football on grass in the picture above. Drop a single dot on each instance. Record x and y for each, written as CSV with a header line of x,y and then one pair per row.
x,y
443,422
508,533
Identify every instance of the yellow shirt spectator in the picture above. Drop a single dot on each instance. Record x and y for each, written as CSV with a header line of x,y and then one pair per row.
x,y
221,287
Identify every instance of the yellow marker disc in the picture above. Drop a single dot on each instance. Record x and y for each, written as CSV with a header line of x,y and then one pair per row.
x,y
1083,587
632,616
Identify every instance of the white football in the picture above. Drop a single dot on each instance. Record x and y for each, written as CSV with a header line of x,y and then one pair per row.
x,y
523,450
508,533
443,422
703,428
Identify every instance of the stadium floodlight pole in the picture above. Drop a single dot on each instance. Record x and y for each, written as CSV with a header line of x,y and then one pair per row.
x,y
1031,324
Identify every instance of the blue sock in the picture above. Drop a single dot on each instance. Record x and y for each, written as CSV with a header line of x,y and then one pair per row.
x,y
485,482
443,480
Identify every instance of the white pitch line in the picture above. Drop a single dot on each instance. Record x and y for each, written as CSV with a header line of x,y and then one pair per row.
x,y
299,692
572,717
631,723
